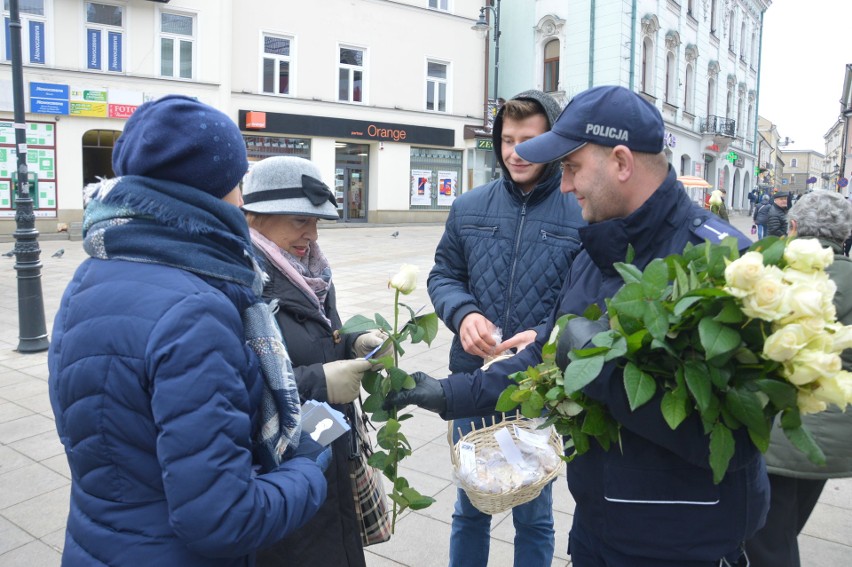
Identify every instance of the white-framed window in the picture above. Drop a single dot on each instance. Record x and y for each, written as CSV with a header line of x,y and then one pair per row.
x,y
277,73
33,18
671,78
689,89
647,66
351,74
437,77
105,37
551,66
794,162
177,45
443,5
713,13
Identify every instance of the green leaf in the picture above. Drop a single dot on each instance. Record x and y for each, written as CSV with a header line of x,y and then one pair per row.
x,y
684,303
773,255
371,381
721,451
802,439
398,378
656,320
730,313
747,408
782,394
760,440
378,460
358,324
594,423
380,415
629,272
505,401
373,402
717,339
680,278
673,409
383,324
631,254
640,387
655,278
593,312
533,405
409,383
698,381
629,300
581,372
429,324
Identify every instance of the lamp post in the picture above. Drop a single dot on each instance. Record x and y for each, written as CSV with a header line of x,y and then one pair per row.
x,y
481,26
32,332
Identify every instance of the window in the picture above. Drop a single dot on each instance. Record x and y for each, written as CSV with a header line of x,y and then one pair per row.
x,y
104,37
741,117
713,9
33,36
794,162
711,97
731,34
551,66
350,75
436,86
690,8
688,89
647,66
177,44
743,41
276,65
671,78
439,5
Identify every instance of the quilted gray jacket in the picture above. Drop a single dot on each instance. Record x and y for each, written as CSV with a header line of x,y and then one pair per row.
x,y
505,254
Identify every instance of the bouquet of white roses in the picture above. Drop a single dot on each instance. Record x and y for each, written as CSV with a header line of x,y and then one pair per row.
x,y
738,339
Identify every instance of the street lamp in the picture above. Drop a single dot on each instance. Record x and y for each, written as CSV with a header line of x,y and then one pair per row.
x,y
31,327
481,26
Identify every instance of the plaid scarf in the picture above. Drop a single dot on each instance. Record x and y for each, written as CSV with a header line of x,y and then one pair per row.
x,y
141,219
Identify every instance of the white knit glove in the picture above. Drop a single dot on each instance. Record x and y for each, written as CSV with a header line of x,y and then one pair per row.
x,y
366,343
343,379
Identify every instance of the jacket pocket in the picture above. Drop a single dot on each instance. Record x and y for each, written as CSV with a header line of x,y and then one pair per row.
x,y
559,239
478,230
675,514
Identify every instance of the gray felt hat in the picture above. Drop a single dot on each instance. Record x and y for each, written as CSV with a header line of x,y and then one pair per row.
x,y
288,185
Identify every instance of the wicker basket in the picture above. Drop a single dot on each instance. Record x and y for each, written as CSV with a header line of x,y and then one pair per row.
x,y
495,503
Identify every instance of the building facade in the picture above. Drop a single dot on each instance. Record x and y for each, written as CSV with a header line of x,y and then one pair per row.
x,y
379,93
802,172
698,61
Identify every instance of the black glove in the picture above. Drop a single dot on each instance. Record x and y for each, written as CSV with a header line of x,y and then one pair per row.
x,y
312,450
577,334
428,394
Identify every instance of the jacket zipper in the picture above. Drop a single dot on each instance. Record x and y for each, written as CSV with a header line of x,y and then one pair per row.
x,y
515,262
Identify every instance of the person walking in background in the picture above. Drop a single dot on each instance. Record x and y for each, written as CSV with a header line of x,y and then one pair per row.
x,y
796,483
752,201
761,216
776,223
650,501
498,269
284,198
173,395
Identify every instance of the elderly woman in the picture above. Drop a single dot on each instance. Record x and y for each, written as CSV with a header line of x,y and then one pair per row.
x,y
795,482
283,200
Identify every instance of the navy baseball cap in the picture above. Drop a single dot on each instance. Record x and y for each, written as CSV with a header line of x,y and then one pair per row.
x,y
606,116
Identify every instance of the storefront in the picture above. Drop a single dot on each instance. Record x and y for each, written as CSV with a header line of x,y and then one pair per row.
x,y
381,172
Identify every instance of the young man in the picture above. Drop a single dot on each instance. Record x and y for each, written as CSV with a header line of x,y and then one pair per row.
x,y
500,264
651,501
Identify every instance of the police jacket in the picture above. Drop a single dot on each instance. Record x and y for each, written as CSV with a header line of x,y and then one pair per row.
x,y
654,495
505,254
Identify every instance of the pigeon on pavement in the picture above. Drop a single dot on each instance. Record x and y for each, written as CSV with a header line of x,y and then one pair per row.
x,y
10,253
395,234
58,253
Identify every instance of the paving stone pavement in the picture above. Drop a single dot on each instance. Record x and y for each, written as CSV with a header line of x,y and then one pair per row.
x,y
35,480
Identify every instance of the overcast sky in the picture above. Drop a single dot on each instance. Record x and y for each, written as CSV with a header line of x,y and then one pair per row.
x,y
806,46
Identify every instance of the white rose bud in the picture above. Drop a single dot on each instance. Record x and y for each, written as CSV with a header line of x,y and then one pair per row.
x,y
405,279
807,255
830,391
841,337
786,342
742,273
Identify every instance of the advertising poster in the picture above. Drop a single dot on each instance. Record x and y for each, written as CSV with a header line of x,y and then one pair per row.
x,y
447,181
88,102
421,187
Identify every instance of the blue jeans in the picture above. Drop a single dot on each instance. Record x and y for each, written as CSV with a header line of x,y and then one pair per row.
x,y
470,536
761,231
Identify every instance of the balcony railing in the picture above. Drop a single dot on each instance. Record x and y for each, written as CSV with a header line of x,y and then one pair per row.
x,y
719,126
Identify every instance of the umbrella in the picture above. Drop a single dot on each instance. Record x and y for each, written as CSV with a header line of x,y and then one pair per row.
x,y
690,181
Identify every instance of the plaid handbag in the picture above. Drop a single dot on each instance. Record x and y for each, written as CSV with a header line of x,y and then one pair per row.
x,y
371,505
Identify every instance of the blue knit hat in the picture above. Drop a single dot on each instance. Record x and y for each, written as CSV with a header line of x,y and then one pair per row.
x,y
177,138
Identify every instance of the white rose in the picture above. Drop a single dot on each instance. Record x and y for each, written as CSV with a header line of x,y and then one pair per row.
x,y
812,325
742,273
405,279
808,403
809,365
807,255
786,342
830,391
841,336
804,300
766,300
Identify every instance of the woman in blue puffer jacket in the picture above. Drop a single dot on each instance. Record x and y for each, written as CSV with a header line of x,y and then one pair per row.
x,y
173,396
